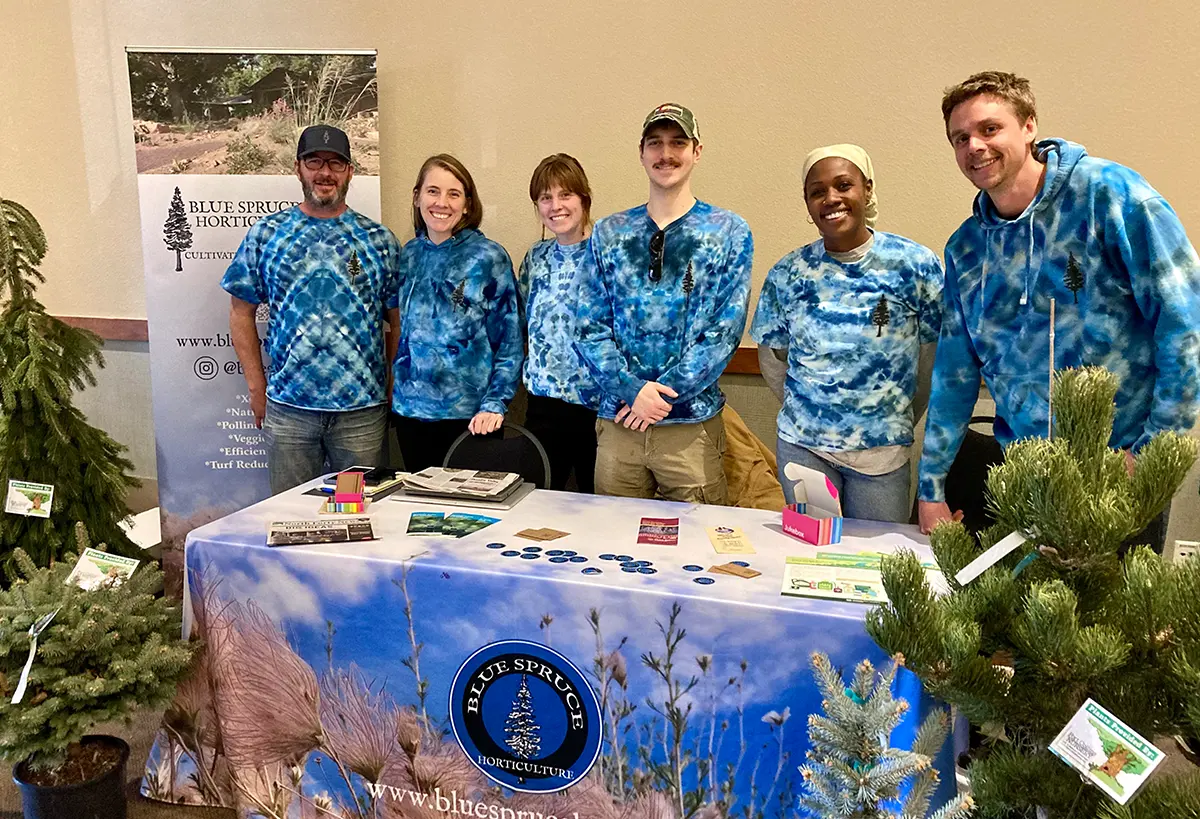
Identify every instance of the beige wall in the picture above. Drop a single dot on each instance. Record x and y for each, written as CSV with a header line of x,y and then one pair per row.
x,y
502,84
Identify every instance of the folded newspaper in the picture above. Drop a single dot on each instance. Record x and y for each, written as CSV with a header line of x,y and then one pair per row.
x,y
462,483
295,532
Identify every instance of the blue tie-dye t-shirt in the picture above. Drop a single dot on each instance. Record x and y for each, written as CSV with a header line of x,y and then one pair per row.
x,y
548,284
679,331
326,282
853,333
1126,283
460,333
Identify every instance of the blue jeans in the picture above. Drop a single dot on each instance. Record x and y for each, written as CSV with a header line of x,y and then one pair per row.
x,y
865,497
303,444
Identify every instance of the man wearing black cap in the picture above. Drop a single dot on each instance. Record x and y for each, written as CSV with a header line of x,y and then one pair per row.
x,y
325,272
659,321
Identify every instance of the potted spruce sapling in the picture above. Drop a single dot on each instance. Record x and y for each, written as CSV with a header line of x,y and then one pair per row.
x,y
70,659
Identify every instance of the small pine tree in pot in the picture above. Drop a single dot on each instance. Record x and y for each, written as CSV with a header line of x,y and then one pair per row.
x,y
1070,614
43,438
98,656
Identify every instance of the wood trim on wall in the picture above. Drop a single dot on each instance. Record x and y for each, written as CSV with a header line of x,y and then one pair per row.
x,y
111,329
744,361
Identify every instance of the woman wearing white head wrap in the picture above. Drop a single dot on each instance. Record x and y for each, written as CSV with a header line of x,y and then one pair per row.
x,y
846,328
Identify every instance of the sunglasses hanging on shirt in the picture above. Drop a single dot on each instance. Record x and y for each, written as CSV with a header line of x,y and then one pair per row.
x,y
657,244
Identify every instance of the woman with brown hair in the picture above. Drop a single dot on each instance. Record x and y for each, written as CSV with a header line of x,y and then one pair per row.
x,y
562,395
459,347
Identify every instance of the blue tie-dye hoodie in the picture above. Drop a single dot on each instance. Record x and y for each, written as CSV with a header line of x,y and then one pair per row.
x,y
679,331
1126,283
460,345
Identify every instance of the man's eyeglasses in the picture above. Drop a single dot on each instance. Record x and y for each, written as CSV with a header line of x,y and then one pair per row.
x,y
657,243
316,163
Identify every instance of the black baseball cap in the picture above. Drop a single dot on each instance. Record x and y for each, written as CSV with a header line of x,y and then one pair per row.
x,y
316,138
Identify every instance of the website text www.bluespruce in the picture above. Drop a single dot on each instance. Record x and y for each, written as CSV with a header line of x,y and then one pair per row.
x,y
453,805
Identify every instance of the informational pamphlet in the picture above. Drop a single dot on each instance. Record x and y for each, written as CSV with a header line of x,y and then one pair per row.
x,y
852,577
425,523
659,531
330,530
1109,754
461,524
101,570
730,540
29,499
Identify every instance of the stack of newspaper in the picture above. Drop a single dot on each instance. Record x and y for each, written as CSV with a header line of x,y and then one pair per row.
x,y
443,482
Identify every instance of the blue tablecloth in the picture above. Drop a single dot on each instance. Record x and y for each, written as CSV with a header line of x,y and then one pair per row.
x,y
434,677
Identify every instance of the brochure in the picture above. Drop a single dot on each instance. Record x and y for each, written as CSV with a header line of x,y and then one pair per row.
x,y
426,523
837,576
461,524
296,532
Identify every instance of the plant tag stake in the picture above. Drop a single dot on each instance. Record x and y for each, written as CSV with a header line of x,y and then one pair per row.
x,y
989,558
37,628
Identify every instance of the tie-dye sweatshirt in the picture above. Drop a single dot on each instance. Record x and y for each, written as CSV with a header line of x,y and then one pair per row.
x,y
548,285
1126,283
460,345
680,330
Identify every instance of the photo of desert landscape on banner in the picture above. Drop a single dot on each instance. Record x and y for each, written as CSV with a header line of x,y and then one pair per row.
x,y
230,113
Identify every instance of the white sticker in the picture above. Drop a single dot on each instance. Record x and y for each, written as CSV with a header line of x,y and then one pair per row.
x,y
989,558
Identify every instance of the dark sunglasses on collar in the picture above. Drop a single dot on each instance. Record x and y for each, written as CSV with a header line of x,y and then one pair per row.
x,y
657,244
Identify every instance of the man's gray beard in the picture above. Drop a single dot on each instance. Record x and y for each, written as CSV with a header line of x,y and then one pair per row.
x,y
334,202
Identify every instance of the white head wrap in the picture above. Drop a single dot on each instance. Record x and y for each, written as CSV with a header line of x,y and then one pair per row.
x,y
861,160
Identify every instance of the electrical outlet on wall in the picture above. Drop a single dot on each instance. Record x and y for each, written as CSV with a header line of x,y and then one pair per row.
x,y
1184,550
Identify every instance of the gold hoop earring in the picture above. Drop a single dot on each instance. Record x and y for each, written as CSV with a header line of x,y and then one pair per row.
x,y
809,219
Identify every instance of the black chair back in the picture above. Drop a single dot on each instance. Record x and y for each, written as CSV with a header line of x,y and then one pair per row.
x,y
515,449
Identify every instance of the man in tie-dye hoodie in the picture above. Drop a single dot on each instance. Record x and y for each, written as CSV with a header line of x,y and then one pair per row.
x,y
658,321
1051,222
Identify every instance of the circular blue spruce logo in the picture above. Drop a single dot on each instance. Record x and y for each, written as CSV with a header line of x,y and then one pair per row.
x,y
525,716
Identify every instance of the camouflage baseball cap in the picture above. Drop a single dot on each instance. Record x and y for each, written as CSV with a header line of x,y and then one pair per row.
x,y
676,113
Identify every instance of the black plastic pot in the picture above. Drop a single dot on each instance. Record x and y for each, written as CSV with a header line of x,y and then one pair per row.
x,y
99,798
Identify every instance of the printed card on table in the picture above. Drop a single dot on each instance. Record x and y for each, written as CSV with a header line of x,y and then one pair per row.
x,y
730,540
659,531
1109,754
29,499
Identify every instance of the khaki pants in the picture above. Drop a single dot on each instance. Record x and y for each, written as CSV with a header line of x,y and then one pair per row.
x,y
679,462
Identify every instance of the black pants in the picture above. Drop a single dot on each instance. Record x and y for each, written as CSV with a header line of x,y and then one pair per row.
x,y
568,433
425,443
